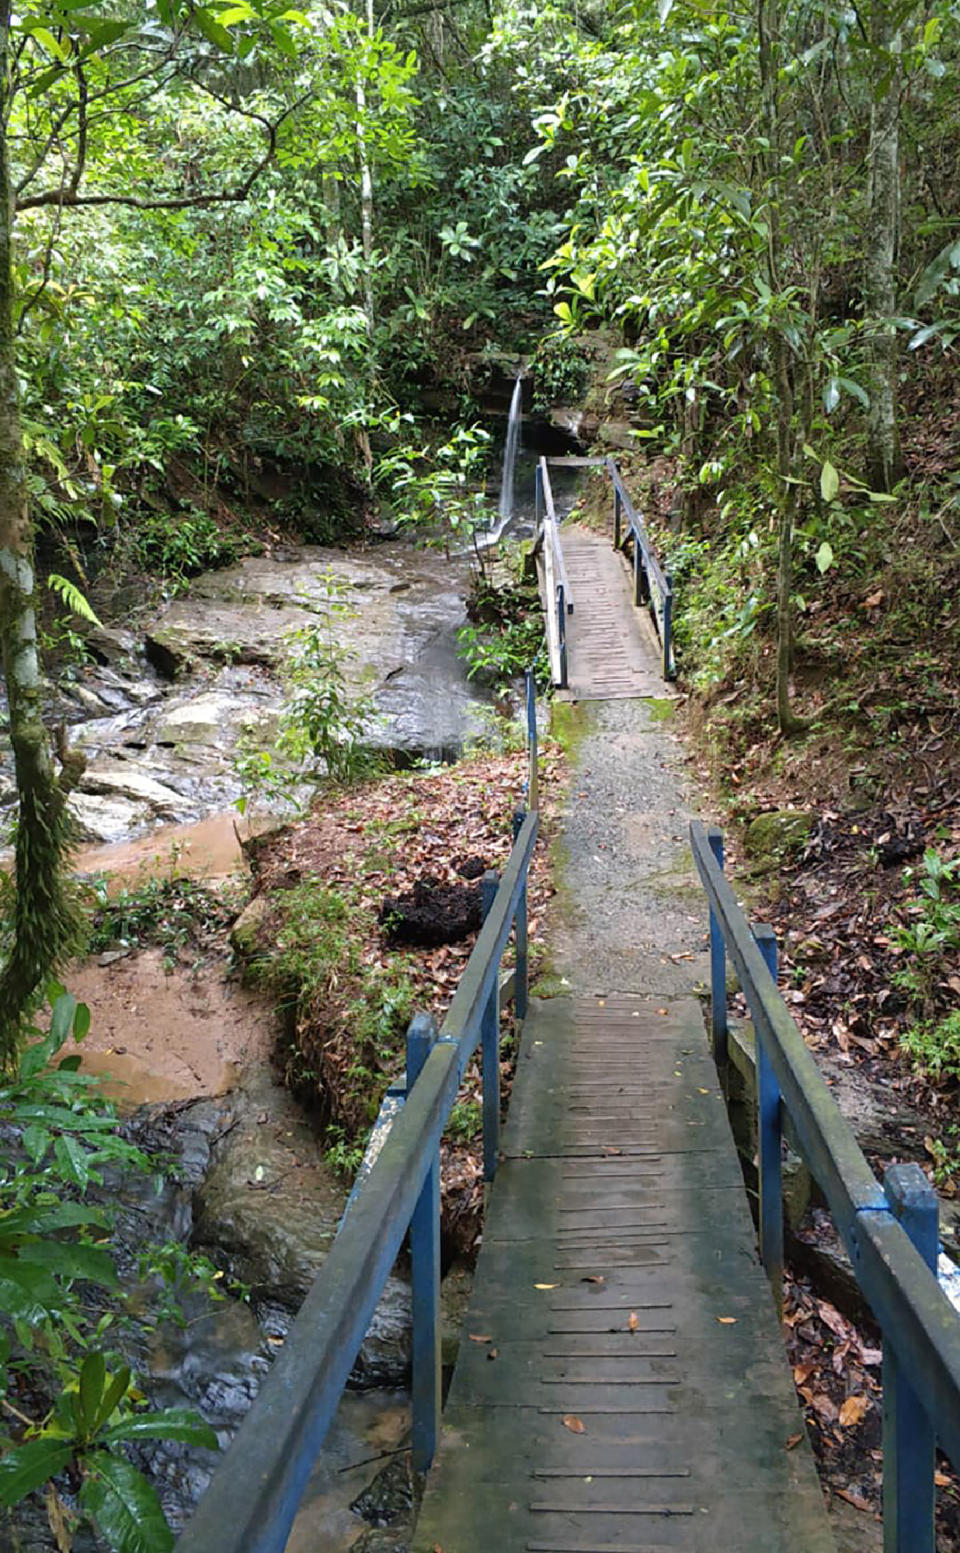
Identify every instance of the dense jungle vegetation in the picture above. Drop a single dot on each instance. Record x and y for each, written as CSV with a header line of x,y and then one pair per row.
x,y
247,249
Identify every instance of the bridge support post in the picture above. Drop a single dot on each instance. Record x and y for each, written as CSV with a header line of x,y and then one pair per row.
x,y
533,777
718,968
490,1046
769,1139
521,979
668,628
425,1269
908,1438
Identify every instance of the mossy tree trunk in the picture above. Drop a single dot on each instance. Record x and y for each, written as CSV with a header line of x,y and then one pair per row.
x,y
44,921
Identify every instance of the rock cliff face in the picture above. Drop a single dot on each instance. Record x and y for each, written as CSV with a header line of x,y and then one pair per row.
x,y
162,719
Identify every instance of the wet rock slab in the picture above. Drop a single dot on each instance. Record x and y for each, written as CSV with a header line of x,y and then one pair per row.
x,y
162,723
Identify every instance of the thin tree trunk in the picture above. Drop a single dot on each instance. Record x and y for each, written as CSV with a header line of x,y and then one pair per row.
x,y
884,460
366,187
768,24
44,920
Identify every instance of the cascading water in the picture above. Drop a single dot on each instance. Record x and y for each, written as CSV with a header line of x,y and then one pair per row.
x,y
505,505
510,455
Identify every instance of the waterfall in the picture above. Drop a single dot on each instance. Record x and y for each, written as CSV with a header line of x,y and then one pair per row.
x,y
505,507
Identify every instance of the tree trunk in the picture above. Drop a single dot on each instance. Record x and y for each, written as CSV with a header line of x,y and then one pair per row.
x,y
768,26
884,461
44,921
366,186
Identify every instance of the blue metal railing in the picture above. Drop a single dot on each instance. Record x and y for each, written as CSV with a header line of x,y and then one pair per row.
x,y
253,1498
559,598
890,1231
651,584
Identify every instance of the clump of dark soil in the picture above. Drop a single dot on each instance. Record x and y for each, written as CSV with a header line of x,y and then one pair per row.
x,y
431,914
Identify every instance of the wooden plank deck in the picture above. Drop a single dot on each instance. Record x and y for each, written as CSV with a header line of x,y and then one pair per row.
x,y
612,651
627,1389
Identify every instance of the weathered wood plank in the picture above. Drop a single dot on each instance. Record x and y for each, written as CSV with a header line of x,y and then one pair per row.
x,y
618,1412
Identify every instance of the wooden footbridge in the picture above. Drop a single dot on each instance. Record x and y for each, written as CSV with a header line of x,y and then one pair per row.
x,y
622,1385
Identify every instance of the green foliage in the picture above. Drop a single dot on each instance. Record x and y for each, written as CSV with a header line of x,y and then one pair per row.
x,y
464,1122
54,1246
934,1046
561,372
172,913
934,927
323,719
179,545
505,636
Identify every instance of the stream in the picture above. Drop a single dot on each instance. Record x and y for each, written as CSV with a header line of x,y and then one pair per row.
x,y
161,717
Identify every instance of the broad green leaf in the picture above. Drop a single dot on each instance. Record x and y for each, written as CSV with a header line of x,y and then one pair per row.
x,y
212,30
52,45
117,1389
176,1423
36,1140
72,1158
27,1294
61,1021
235,13
124,1506
29,1466
81,1022
67,1259
829,482
824,557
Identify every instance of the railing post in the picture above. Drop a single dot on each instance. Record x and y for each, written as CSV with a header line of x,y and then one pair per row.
x,y
538,495
562,635
637,572
769,1139
616,515
533,797
425,1269
520,975
668,628
490,1046
718,967
908,1436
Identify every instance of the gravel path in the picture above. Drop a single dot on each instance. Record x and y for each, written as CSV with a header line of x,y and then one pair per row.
x,y
631,916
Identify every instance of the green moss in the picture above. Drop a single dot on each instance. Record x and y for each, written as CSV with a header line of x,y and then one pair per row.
x,y
570,722
660,708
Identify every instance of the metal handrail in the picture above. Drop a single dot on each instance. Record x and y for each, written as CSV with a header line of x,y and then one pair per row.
x,y
646,568
886,1229
253,1498
558,597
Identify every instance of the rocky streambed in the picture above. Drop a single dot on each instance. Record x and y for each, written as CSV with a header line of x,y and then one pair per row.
x,y
161,716
162,713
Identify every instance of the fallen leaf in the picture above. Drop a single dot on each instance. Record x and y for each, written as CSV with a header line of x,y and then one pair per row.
x,y
792,1441
573,1423
479,1337
593,1278
857,1500
942,1479
609,1149
703,1091
632,1321
494,1353
854,1409
727,1321
874,599
662,1011
544,1286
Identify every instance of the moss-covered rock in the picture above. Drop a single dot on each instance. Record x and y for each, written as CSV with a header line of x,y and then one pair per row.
x,y
774,837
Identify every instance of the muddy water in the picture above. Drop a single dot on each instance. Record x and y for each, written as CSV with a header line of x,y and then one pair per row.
x,y
161,719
